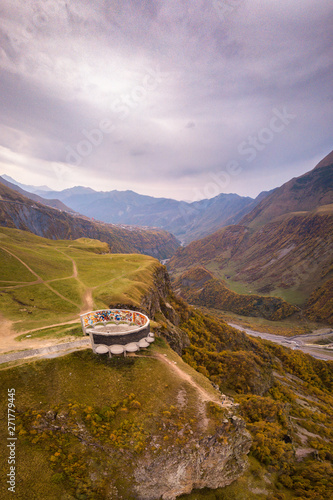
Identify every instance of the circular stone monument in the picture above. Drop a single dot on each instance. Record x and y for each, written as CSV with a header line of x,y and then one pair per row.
x,y
117,330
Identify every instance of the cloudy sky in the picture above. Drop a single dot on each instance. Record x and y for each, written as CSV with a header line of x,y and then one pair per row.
x,y
174,98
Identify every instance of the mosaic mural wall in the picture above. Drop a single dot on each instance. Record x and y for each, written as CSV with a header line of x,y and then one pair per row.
x,y
107,315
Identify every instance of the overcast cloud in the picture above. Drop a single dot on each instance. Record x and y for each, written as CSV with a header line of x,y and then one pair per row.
x,y
175,98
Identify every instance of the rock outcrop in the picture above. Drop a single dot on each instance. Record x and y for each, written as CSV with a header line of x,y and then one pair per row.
x,y
155,304
212,462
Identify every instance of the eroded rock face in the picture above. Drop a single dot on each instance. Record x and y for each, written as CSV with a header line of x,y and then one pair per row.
x,y
157,295
212,462
156,301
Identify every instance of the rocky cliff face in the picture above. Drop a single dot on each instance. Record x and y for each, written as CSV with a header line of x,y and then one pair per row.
x,y
211,462
156,304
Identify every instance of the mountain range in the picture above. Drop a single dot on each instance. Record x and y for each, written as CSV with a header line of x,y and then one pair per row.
x,y
283,248
54,203
187,221
305,193
18,211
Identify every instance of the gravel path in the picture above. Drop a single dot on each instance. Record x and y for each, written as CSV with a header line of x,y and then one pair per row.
x,y
224,401
46,352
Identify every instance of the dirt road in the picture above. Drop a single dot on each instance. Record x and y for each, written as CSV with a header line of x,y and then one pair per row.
x,y
301,342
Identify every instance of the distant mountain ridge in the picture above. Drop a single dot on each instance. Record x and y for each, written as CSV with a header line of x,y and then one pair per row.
x,y
187,221
304,193
54,203
25,187
18,211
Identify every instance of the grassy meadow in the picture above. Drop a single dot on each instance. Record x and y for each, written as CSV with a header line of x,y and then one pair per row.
x,y
45,282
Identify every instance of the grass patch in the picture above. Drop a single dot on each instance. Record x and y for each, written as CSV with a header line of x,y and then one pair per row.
x,y
70,288
78,376
94,246
293,296
46,261
122,290
297,295
227,276
55,333
12,270
101,269
34,304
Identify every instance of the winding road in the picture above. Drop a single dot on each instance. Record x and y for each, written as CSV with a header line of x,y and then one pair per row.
x,y
301,342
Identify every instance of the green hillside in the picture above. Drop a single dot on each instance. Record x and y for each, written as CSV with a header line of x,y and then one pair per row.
x,y
78,439
18,211
45,282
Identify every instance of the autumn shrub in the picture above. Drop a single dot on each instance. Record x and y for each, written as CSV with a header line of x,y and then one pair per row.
x,y
256,408
268,444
